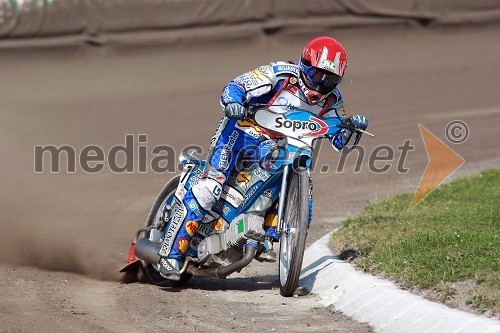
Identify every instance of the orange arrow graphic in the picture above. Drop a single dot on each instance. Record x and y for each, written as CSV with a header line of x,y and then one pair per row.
x,y
443,161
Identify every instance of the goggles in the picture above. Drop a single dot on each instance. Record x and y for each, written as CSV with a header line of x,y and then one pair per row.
x,y
320,77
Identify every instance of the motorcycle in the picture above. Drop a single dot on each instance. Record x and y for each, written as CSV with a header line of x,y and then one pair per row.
x,y
231,235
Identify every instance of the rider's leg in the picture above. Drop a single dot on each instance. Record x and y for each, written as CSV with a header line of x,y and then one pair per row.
x,y
227,142
270,223
197,201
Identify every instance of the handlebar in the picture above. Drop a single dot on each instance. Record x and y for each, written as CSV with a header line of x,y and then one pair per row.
x,y
354,129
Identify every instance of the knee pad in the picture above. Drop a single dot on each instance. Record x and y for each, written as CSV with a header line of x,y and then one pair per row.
x,y
208,190
266,148
271,158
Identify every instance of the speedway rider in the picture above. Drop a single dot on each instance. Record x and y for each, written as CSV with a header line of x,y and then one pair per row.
x,y
310,84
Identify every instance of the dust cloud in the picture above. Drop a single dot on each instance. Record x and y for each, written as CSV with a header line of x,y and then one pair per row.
x,y
56,252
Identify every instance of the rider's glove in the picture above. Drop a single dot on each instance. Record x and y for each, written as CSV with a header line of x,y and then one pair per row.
x,y
359,121
343,137
235,111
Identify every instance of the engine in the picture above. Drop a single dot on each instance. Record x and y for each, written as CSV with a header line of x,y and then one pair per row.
x,y
221,249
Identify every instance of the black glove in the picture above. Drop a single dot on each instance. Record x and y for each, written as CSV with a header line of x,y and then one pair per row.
x,y
235,111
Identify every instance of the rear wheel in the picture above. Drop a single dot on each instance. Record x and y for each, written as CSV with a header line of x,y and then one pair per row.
x,y
165,197
294,233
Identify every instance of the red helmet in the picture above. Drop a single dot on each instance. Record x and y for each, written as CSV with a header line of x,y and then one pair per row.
x,y
322,66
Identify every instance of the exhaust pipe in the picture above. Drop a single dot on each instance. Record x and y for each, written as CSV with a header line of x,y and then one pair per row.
x,y
222,272
148,250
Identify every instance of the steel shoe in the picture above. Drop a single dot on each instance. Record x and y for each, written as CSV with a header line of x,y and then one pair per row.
x,y
169,268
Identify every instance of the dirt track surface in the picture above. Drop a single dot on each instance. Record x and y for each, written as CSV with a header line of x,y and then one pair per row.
x,y
63,236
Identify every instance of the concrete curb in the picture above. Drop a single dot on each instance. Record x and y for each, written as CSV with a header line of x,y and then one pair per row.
x,y
379,302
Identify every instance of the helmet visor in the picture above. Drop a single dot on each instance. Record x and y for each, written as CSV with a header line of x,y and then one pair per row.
x,y
320,78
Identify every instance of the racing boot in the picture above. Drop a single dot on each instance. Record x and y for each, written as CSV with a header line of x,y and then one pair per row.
x,y
169,268
268,254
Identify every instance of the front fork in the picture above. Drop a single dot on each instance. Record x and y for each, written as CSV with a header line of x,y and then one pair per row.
x,y
282,197
281,205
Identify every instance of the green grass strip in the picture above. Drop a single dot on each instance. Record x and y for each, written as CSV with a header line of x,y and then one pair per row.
x,y
451,236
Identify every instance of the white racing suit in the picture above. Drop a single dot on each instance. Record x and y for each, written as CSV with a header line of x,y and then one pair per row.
x,y
275,86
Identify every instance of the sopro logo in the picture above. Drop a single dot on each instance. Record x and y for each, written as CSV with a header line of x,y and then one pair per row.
x,y
314,126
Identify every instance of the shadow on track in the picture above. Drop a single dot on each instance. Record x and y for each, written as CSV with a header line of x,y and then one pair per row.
x,y
254,283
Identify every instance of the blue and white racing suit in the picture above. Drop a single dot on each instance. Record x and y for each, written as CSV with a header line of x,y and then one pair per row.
x,y
276,87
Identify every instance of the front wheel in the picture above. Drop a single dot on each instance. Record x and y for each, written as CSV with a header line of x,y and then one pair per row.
x,y
294,232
